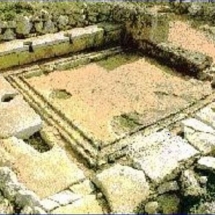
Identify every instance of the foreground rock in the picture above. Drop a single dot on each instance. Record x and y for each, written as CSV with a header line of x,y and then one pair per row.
x,y
161,155
124,187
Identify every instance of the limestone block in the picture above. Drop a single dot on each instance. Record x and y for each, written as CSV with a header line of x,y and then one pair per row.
x,y
49,204
160,155
23,25
123,187
200,135
86,205
168,186
18,119
27,198
8,35
190,184
6,90
207,115
207,163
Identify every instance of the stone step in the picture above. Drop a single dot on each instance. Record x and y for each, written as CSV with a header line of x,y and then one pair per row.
x,y
161,155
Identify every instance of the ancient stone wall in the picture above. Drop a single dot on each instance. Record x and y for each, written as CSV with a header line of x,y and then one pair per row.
x,y
24,20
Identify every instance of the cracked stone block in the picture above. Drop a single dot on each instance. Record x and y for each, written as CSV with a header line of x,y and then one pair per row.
x,y
190,184
200,135
84,188
17,117
124,187
206,163
65,197
161,155
49,204
207,115
86,205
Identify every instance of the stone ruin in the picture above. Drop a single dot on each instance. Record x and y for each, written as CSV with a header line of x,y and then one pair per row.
x,y
78,136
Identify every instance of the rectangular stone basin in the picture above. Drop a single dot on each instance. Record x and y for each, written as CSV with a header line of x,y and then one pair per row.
x,y
106,102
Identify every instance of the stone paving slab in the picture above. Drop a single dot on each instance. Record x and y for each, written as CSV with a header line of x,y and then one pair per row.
x,y
200,135
160,155
45,173
124,187
86,205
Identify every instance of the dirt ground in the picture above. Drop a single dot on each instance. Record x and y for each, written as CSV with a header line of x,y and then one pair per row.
x,y
182,34
97,95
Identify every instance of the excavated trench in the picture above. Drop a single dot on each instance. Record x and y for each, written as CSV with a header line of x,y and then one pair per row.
x,y
105,108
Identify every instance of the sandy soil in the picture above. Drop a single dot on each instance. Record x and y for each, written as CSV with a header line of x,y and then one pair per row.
x,y
182,34
99,95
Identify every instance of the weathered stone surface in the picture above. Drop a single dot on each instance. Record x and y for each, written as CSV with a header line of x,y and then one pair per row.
x,y
206,208
23,25
168,203
198,125
63,20
206,163
190,184
6,207
18,119
9,184
49,204
84,188
27,198
87,205
199,135
8,35
119,181
65,197
52,168
34,210
207,115
49,27
152,207
177,57
168,186
160,155
16,116
6,90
